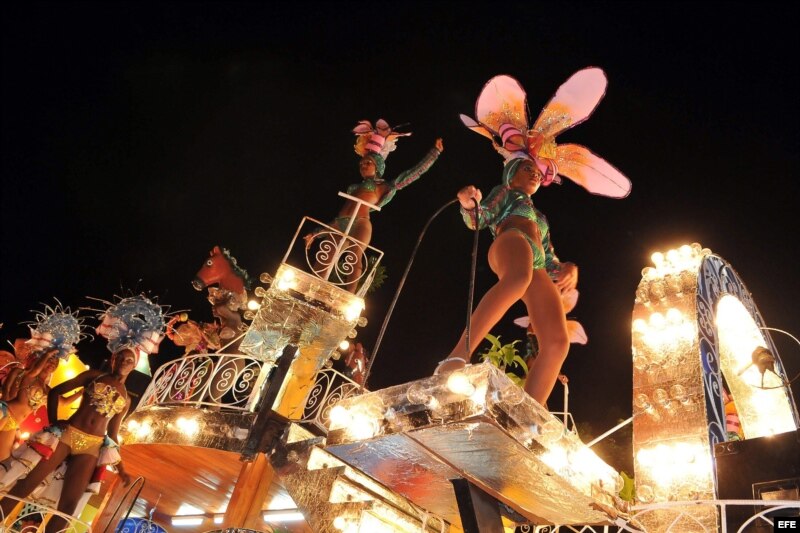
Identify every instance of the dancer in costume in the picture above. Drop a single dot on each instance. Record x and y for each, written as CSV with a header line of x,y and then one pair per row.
x,y
53,337
373,145
134,327
522,254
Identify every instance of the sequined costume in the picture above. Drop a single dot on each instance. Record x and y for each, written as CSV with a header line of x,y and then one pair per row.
x,y
41,446
106,399
503,202
7,420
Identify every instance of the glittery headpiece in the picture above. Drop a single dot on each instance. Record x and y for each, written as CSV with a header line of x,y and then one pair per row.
x,y
134,322
502,116
376,142
56,328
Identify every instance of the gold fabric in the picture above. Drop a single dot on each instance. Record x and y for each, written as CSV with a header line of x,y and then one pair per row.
x,y
82,443
107,400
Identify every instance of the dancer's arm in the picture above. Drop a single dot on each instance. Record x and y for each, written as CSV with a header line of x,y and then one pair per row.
x,y
413,174
490,208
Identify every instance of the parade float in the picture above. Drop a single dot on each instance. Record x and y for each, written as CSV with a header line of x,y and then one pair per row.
x,y
256,432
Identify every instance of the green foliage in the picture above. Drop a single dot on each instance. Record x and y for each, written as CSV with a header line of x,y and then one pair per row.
x,y
505,357
377,280
628,492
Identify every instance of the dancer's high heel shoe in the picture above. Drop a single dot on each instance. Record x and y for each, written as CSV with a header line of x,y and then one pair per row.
x,y
439,371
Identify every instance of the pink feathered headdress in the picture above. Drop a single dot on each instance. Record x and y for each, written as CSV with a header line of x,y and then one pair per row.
x,y
502,116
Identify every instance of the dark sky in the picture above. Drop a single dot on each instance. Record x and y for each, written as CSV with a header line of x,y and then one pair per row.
x,y
134,138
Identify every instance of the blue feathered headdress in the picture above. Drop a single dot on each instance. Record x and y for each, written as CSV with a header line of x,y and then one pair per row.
x,y
134,322
56,328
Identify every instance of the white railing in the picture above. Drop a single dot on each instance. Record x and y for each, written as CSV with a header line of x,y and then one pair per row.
x,y
677,513
330,387
208,380
33,518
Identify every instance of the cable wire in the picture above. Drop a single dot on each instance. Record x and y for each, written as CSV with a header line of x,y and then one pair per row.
x,y
386,319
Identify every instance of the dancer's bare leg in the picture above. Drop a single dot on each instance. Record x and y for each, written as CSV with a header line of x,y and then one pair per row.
x,y
547,316
26,485
77,477
510,257
362,231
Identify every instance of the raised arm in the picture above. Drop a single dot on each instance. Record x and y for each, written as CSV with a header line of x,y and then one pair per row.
x,y
411,175
40,364
12,383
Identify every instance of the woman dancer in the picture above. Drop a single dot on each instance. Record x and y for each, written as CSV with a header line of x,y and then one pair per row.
x,y
133,327
53,337
373,145
522,255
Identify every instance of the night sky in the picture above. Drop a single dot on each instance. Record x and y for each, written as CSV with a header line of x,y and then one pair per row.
x,y
135,138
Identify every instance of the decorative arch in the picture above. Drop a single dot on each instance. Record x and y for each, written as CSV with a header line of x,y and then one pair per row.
x,y
695,327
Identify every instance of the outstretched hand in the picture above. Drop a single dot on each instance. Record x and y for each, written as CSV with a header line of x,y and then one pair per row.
x,y
567,278
438,144
467,195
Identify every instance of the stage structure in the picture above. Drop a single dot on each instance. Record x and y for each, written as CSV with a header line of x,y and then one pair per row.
x,y
695,331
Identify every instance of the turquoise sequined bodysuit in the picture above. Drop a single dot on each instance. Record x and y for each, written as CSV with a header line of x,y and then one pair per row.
x,y
503,202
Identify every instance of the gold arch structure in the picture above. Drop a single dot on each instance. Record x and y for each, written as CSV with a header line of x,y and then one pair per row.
x,y
695,329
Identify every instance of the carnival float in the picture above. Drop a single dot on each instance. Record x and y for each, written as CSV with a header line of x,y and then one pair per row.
x,y
255,430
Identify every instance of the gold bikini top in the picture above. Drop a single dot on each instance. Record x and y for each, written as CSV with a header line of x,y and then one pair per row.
x,y
106,399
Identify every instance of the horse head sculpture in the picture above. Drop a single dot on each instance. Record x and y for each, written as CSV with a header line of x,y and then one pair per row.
x,y
220,268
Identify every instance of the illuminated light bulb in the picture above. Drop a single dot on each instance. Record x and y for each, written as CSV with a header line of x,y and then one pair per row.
x,y
645,457
25,435
657,320
340,523
649,273
189,426
253,305
686,251
340,417
639,325
673,257
658,259
363,426
69,374
143,430
260,292
132,425
458,383
674,316
286,280
353,309
344,345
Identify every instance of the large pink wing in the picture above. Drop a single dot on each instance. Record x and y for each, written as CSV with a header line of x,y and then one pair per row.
x,y
502,101
573,102
477,128
591,171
